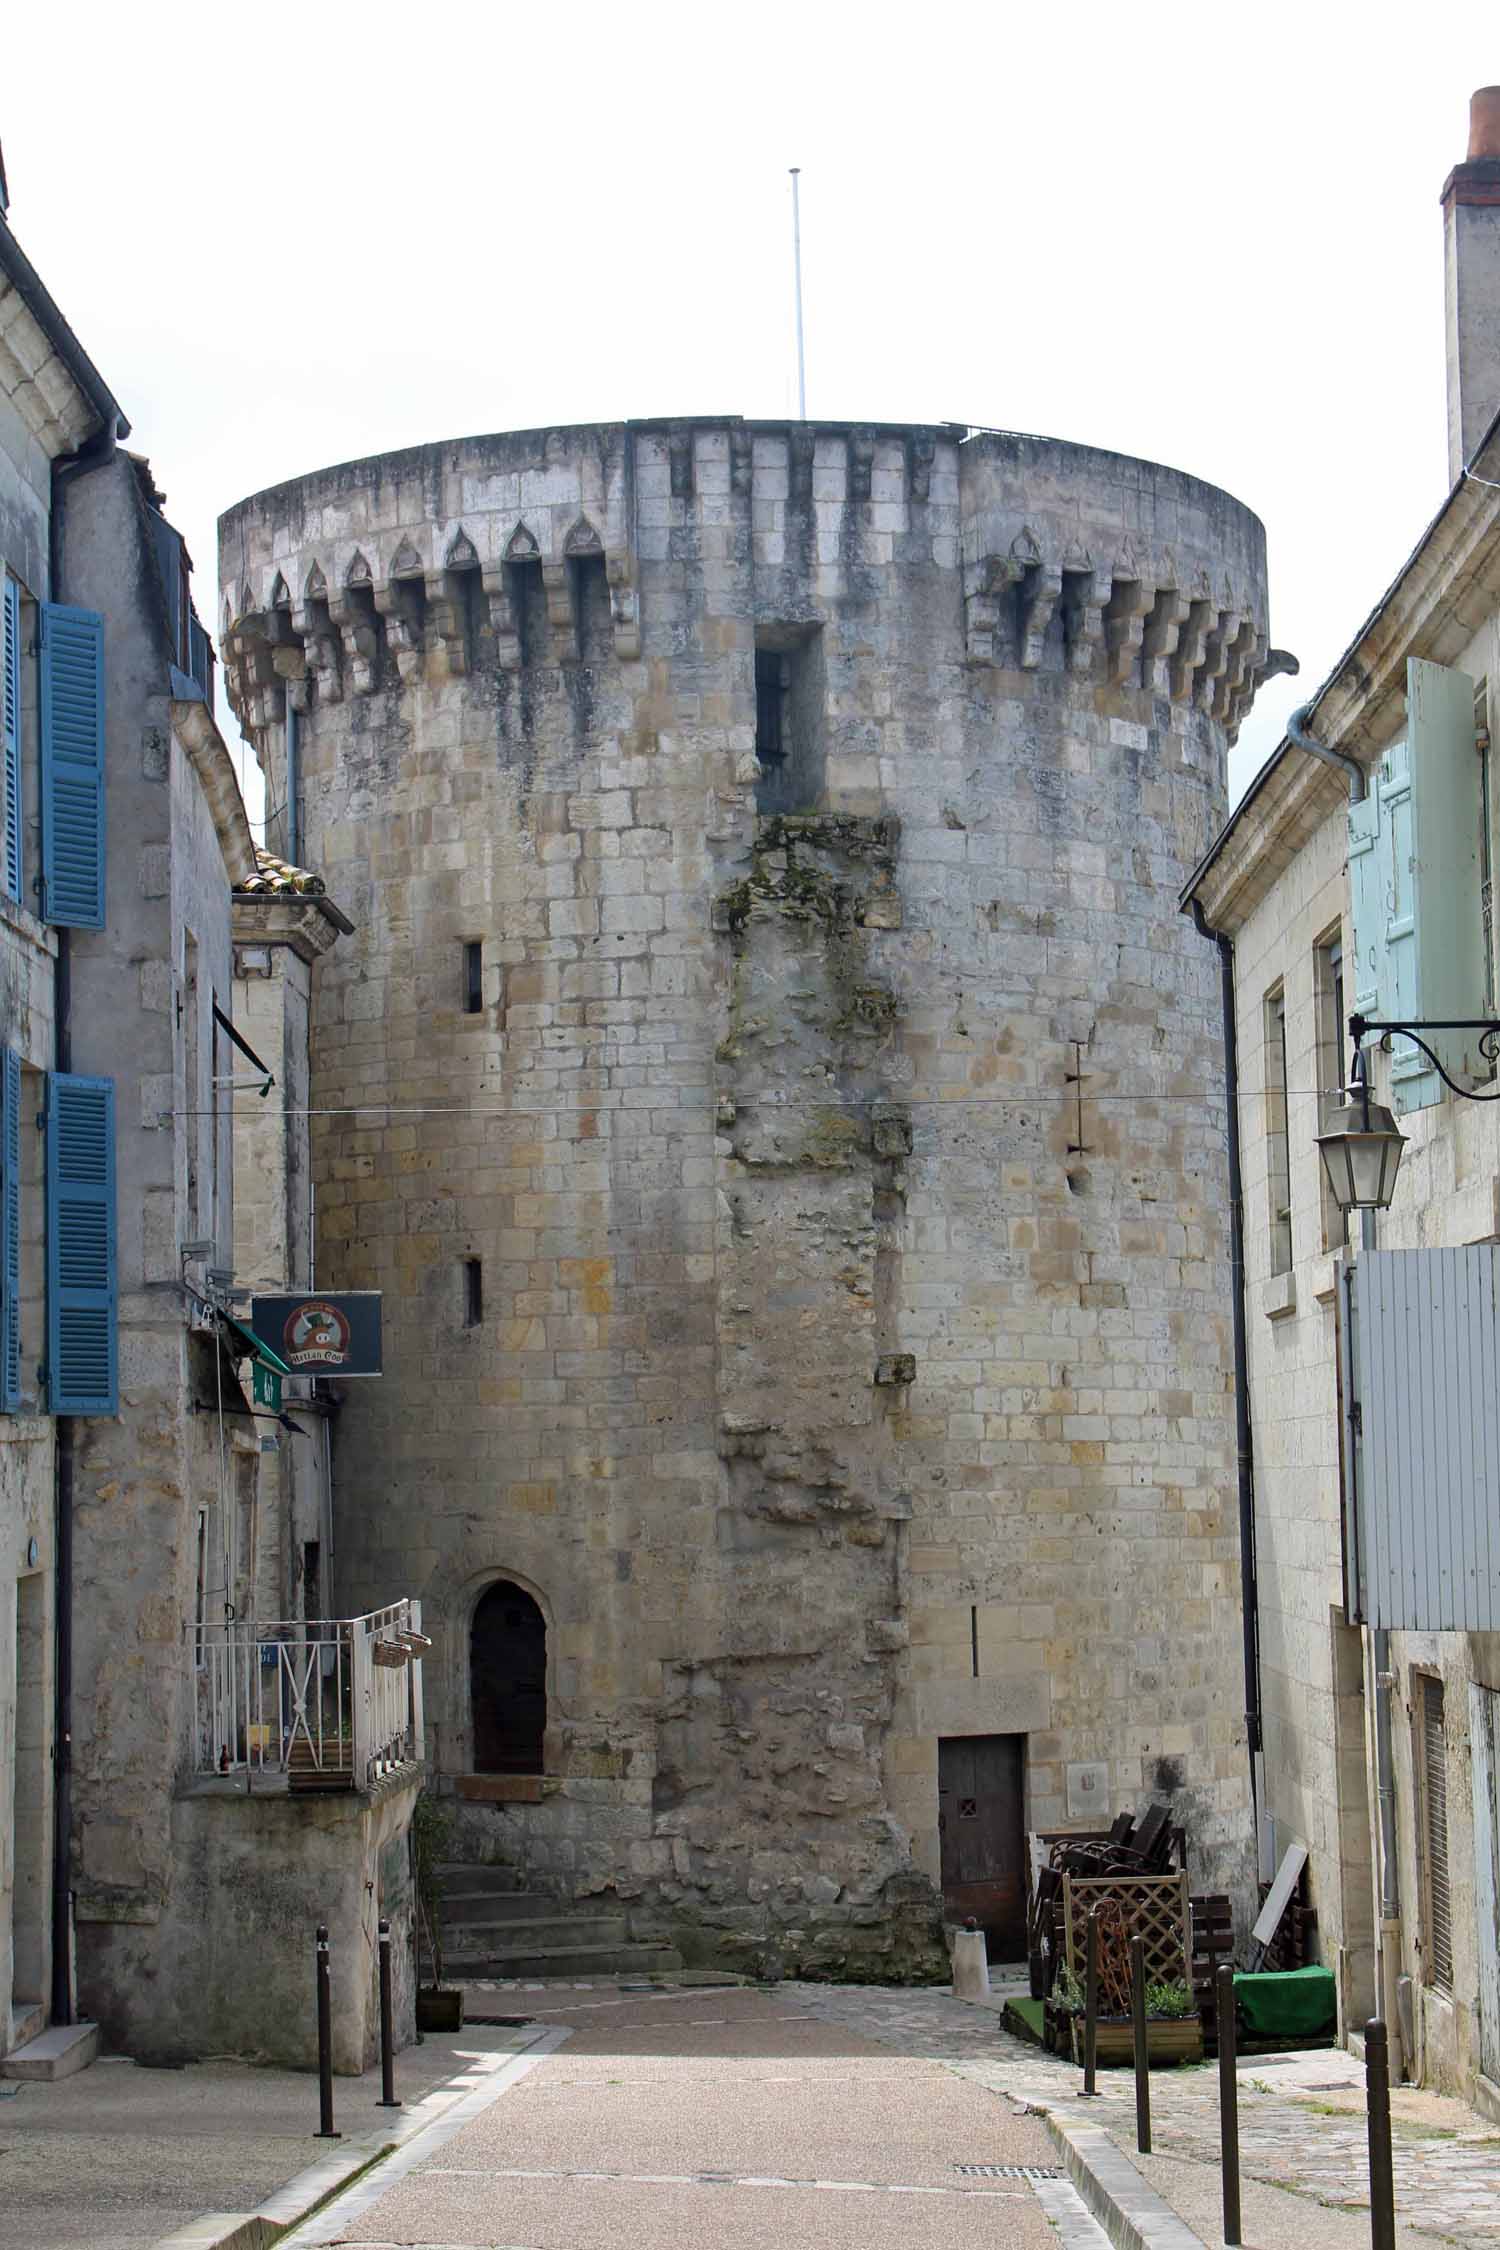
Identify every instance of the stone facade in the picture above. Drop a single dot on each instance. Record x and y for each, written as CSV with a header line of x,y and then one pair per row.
x,y
147,1525
44,414
1278,886
838,1130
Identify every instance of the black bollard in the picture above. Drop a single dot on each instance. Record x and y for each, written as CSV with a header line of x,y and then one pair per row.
x,y
1229,2106
325,2043
1142,2054
387,2025
1091,2003
1378,2108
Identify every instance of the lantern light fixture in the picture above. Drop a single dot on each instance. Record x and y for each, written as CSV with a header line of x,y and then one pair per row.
x,y
1361,1144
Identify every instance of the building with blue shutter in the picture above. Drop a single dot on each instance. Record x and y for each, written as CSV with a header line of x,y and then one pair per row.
x,y
58,1331
1357,877
159,1721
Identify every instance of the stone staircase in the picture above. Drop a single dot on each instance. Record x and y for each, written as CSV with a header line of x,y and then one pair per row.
x,y
492,1929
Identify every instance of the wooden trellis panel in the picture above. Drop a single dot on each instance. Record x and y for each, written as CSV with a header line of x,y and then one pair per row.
x,y
1156,1906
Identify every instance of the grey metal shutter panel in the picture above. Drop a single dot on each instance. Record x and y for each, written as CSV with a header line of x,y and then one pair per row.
x,y
1427,1379
1435,1836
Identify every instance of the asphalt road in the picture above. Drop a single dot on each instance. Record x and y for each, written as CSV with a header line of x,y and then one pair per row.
x,y
722,2117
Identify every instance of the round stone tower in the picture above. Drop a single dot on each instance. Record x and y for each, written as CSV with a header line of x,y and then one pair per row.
x,y
782,1104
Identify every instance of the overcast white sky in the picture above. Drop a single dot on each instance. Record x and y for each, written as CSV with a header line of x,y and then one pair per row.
x,y
291,236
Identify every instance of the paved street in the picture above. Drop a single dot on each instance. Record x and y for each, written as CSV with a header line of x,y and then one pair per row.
x,y
726,2117
120,2155
1302,2127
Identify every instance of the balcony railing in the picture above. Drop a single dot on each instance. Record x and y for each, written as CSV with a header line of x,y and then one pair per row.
x,y
331,1704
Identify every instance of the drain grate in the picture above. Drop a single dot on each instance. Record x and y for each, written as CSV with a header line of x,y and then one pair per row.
x,y
1010,2171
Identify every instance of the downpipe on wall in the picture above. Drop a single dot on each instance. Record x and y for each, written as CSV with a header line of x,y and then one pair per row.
x,y
1244,1443
1390,1946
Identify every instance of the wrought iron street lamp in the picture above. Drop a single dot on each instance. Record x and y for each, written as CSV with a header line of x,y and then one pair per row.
x,y
1362,1143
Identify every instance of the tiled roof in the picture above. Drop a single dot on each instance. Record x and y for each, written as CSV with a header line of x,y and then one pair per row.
x,y
278,878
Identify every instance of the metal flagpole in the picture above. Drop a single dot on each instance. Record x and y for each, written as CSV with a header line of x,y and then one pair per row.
x,y
796,170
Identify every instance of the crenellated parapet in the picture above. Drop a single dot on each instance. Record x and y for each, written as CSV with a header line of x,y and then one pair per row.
x,y
1113,569
547,549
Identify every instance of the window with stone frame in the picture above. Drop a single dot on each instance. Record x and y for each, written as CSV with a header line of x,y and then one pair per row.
x,y
1278,1164
790,691
1432,1831
1330,1004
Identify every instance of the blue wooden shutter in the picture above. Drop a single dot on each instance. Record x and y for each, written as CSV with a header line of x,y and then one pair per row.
x,y
10,1233
72,704
82,1352
10,697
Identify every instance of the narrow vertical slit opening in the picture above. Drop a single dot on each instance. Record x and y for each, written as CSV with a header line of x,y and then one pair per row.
x,y
974,1637
473,1292
473,976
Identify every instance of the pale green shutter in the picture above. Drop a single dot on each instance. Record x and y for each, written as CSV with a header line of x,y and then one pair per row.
x,y
1414,1083
1444,877
1366,906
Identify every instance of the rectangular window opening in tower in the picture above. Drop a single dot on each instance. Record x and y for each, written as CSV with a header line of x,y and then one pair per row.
x,y
473,1292
528,602
591,620
789,718
473,976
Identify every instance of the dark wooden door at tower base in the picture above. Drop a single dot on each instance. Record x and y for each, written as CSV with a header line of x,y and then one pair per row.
x,y
981,1824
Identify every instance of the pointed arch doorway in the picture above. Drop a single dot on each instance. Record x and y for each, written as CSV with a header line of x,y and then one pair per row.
x,y
508,1680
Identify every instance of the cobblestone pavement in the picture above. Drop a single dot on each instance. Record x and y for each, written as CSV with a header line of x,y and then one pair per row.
x,y
1313,2142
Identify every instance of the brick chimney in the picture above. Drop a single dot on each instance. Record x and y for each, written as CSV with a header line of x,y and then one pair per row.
x,y
1471,276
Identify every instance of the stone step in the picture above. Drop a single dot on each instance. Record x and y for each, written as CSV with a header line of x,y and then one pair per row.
x,y
491,1933
54,2053
27,2018
563,1961
510,1906
478,1871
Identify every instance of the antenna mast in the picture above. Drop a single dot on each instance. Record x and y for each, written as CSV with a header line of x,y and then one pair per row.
x,y
796,171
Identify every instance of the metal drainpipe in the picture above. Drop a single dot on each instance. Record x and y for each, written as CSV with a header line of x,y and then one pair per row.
x,y
1385,1786
1243,1436
1350,768
293,784
94,455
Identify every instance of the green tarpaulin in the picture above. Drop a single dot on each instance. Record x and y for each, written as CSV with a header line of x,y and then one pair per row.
x,y
1287,2003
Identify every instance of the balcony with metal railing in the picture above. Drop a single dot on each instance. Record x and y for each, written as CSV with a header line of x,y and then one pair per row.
x,y
331,1704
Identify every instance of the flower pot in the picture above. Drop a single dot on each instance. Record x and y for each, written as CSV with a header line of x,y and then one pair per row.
x,y
1169,2039
440,2007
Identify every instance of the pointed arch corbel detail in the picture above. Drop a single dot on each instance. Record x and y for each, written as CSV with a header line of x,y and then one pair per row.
x,y
521,552
321,641
352,614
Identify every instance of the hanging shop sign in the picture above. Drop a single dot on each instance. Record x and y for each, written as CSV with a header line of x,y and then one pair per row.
x,y
324,1333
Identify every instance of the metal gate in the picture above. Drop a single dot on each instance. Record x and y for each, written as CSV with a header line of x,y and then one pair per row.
x,y
982,1826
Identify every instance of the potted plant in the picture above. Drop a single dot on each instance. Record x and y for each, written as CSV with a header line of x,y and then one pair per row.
x,y
1174,2032
1062,2004
440,2007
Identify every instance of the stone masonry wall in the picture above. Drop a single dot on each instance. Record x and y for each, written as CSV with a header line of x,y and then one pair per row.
x,y
847,1177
